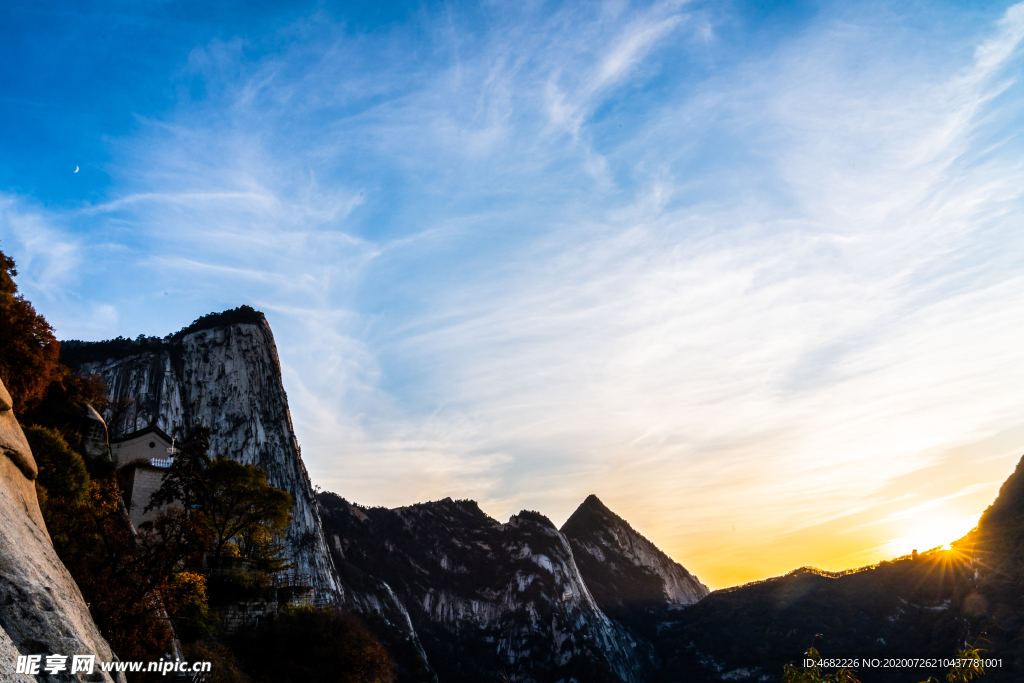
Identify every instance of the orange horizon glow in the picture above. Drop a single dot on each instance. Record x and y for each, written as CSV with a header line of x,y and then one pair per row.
x,y
927,510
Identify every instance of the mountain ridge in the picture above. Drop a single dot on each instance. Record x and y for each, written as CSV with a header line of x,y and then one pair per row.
x,y
485,596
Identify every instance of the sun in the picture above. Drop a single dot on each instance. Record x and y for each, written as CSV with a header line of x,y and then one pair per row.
x,y
929,532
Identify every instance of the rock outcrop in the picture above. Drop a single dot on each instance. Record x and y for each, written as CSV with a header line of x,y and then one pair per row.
x,y
485,598
221,372
41,609
624,571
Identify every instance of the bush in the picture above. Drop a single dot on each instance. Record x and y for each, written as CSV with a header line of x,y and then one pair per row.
x,y
225,667
306,645
62,472
186,601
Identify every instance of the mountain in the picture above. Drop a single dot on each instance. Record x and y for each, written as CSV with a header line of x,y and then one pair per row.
x,y
899,608
991,599
221,372
624,571
486,598
927,604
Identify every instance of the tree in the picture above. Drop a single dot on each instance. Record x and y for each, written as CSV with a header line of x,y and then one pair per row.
x,y
185,598
262,542
185,483
243,510
29,353
62,472
129,581
244,513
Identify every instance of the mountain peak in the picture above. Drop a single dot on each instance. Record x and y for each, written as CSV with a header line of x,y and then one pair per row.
x,y
623,569
590,514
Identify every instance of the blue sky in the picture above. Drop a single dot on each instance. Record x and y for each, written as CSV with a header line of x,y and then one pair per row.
x,y
751,272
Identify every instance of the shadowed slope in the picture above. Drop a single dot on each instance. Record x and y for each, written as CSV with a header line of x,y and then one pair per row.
x,y
485,597
623,570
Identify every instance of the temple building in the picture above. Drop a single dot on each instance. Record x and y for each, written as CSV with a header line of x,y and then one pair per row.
x,y
144,456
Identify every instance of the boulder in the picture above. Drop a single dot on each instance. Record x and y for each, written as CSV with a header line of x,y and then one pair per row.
x,y
41,609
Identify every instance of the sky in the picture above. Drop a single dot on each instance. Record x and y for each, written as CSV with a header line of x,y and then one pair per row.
x,y
751,272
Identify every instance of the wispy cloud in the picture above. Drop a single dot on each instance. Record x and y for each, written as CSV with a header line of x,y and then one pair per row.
x,y
523,255
49,260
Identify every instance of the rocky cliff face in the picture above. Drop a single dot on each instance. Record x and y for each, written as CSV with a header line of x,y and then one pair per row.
x,y
222,372
624,571
41,609
485,598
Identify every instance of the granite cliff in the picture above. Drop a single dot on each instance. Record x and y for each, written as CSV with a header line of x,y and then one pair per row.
x,y
485,598
41,609
221,372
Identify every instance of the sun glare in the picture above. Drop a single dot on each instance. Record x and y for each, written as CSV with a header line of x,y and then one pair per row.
x,y
928,534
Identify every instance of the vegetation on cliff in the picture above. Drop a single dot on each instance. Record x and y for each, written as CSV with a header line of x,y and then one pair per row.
x,y
75,352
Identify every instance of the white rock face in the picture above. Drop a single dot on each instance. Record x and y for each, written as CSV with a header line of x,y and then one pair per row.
x,y
41,609
227,378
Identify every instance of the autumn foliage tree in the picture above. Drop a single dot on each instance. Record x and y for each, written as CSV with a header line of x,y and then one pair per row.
x,y
132,582
245,513
29,353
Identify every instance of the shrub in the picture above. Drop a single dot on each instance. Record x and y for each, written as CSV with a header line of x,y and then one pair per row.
x,y
306,645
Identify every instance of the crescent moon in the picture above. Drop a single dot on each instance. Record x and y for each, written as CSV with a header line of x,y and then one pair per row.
x,y
76,169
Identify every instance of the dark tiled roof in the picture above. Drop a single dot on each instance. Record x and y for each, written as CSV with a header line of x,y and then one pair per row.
x,y
151,429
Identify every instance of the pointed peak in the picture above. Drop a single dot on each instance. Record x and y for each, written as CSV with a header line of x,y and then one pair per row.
x,y
592,505
592,501
591,512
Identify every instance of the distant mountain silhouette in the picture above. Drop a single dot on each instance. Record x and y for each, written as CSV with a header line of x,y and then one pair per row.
x,y
928,605
623,570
